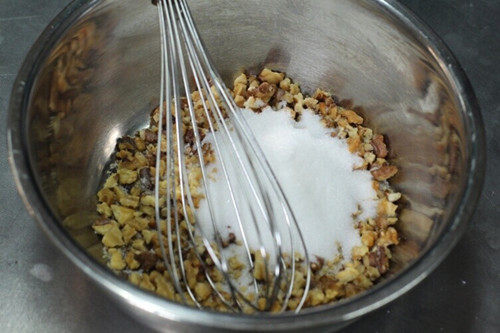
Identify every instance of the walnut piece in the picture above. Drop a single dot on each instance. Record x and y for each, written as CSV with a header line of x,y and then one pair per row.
x,y
116,259
352,117
379,259
379,147
113,237
147,260
126,204
271,77
384,172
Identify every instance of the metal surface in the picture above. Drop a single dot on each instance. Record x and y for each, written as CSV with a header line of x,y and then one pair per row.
x,y
484,244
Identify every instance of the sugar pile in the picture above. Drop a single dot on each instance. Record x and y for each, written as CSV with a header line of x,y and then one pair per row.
x,y
316,173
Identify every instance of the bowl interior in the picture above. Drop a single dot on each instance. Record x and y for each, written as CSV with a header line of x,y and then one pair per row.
x,y
100,79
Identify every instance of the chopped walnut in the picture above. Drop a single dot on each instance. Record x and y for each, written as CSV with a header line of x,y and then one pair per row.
x,y
127,176
116,259
239,100
259,271
130,260
271,77
128,232
379,146
122,214
113,237
202,290
384,172
265,91
147,260
392,197
311,103
104,209
347,274
285,84
352,117
106,195
128,225
379,259
316,297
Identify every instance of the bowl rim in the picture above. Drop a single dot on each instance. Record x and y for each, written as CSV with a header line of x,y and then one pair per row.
x,y
343,311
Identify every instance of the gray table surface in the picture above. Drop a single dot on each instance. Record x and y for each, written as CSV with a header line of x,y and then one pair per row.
x,y
41,291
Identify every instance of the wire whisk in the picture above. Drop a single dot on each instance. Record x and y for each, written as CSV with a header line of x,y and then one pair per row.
x,y
267,229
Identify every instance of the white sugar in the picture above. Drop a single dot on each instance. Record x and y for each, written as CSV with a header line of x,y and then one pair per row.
x,y
316,173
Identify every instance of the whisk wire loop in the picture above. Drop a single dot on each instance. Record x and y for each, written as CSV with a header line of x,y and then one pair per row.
x,y
251,185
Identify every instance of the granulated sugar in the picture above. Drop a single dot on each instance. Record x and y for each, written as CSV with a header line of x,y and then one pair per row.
x,y
316,173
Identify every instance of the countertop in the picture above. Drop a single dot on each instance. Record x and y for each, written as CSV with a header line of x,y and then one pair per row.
x,y
41,291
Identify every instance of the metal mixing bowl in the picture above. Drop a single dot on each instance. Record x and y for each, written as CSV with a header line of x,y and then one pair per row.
x,y
93,76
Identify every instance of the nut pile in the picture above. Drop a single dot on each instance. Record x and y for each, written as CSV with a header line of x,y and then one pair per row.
x,y
127,207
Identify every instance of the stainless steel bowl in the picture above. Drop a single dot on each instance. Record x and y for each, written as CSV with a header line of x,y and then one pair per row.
x,y
93,76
